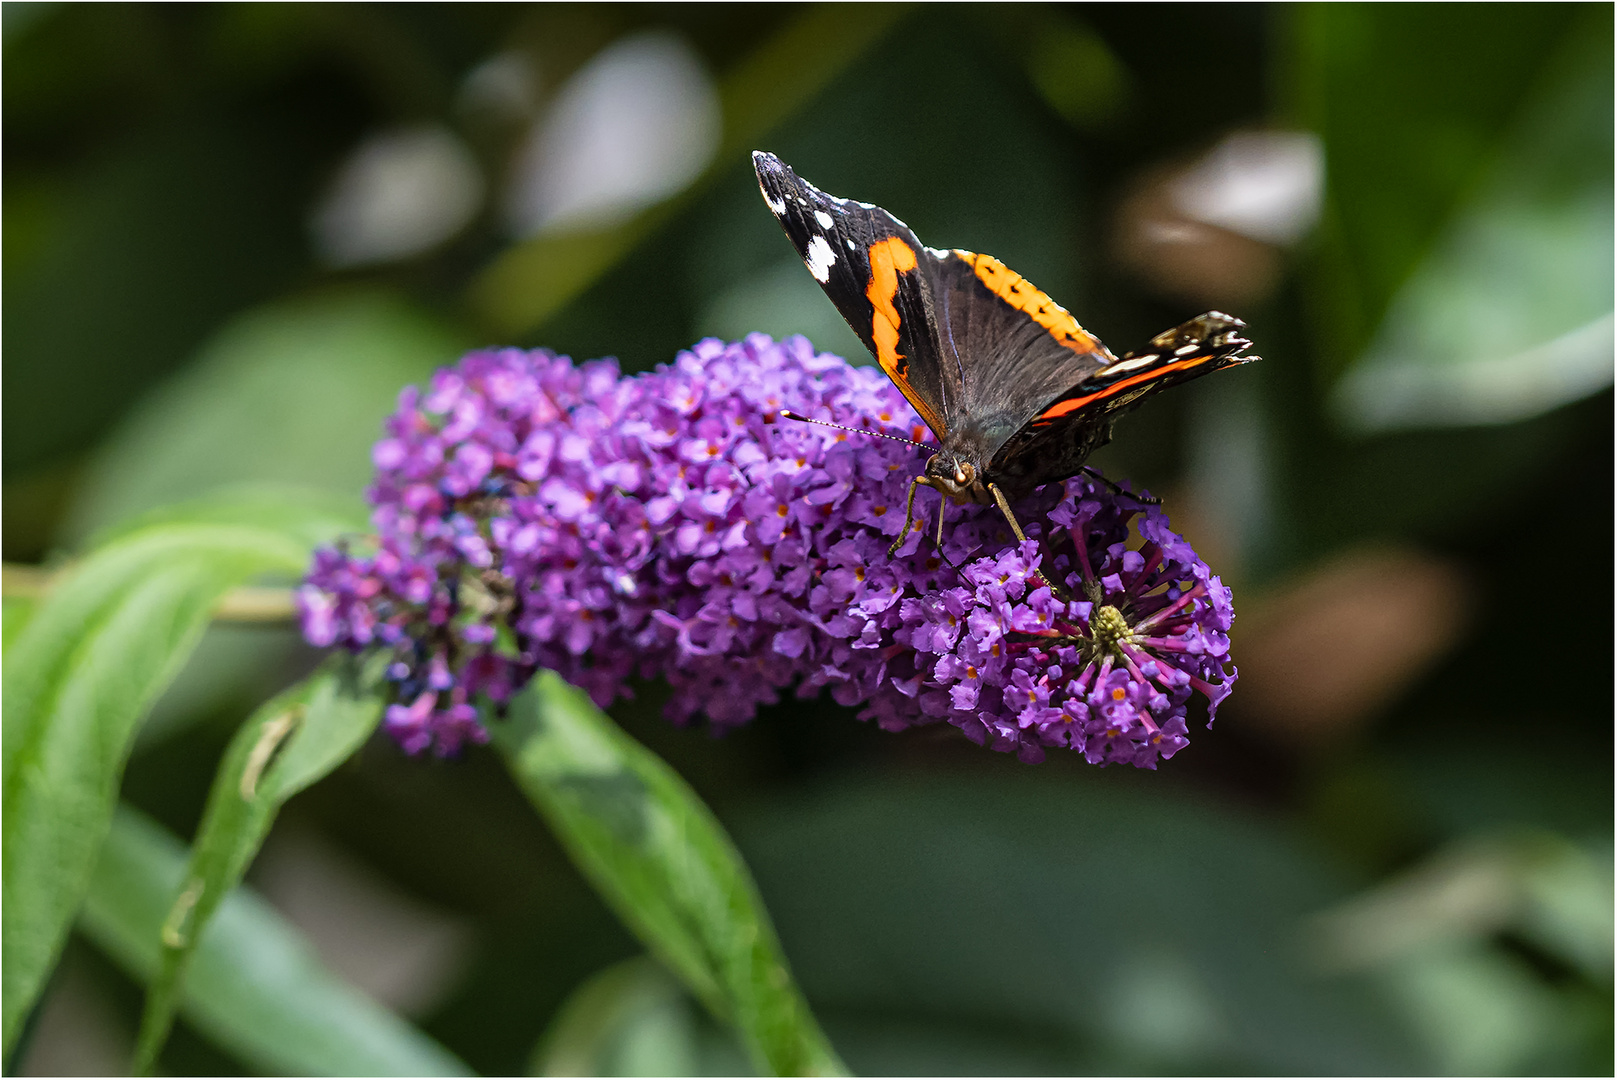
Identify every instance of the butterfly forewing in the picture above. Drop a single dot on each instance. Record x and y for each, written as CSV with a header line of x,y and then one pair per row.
x,y
873,269
969,341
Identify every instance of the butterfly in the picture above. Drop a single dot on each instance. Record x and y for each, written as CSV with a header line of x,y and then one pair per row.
x,y
1016,393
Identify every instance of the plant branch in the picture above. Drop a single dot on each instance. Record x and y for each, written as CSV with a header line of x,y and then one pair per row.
x,y
246,604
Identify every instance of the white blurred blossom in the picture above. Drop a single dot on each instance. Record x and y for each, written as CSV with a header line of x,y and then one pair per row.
x,y
1267,185
398,194
634,126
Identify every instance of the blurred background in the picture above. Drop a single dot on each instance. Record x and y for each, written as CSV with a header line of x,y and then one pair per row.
x,y
233,232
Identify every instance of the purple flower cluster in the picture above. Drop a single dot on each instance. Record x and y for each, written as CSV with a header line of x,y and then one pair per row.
x,y
531,514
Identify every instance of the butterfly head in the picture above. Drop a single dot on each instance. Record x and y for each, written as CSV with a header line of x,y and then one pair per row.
x,y
956,478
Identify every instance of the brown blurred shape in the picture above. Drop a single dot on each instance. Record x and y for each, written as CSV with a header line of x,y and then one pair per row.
x,y
1322,656
1189,260
1212,229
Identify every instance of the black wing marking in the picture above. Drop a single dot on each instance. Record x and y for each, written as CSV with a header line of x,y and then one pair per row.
x,y
875,271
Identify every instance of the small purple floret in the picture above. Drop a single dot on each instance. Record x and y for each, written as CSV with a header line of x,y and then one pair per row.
x,y
531,513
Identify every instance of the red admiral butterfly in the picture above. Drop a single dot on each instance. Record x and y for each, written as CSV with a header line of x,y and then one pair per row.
x,y
1016,392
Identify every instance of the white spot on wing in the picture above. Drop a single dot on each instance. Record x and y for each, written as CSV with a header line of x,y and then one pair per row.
x,y
820,258
823,218
1186,350
1131,364
776,206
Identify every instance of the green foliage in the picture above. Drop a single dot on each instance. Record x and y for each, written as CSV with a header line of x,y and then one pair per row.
x,y
1508,312
1410,126
292,393
665,866
17,613
121,272
79,678
293,740
255,986
1455,288
1062,925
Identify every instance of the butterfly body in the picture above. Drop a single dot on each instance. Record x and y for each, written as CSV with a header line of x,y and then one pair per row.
x,y
1016,392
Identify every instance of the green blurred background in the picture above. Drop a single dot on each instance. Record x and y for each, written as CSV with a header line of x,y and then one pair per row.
x,y
233,232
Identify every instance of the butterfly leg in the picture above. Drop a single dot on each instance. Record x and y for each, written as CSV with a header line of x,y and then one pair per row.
x,y
909,515
1005,508
1149,500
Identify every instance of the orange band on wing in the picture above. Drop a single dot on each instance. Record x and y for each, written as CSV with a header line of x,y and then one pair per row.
x,y
1023,295
888,259
1062,408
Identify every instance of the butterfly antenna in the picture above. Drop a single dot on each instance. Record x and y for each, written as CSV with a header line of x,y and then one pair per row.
x,y
788,414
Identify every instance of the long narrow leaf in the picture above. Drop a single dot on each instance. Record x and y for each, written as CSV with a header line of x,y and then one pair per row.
x,y
287,744
665,865
255,987
79,677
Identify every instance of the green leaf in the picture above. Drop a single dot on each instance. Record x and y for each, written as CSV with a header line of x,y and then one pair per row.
x,y
665,866
1060,922
287,744
310,515
255,988
292,392
79,678
16,614
1510,315
1411,109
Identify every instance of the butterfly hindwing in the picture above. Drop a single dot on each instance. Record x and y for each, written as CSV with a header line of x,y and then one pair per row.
x,y
876,273
1205,344
1067,429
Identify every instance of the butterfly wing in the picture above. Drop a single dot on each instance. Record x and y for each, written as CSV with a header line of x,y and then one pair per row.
x,y
1054,444
874,270
1013,347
